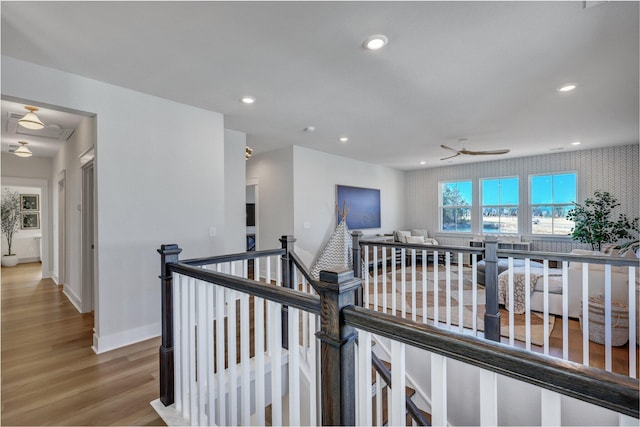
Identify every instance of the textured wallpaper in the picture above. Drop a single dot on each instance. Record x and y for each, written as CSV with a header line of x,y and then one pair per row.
x,y
612,169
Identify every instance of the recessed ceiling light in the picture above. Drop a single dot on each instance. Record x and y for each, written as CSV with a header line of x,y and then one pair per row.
x,y
376,42
568,87
423,162
576,143
309,129
248,99
344,139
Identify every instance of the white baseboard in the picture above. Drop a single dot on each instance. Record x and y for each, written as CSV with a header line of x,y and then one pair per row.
x,y
72,297
29,259
106,343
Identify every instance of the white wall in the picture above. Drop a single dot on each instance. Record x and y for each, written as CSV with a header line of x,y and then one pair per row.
x,y
235,191
151,188
34,172
316,175
26,243
613,169
67,159
273,171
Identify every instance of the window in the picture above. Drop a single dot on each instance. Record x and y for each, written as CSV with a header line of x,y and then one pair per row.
x,y
455,206
552,196
499,205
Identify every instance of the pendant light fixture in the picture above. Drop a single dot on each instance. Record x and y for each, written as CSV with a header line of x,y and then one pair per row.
x,y
31,120
23,151
247,153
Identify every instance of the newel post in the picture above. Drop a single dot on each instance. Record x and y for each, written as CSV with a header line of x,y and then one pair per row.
x,y
337,290
287,277
492,314
357,261
168,254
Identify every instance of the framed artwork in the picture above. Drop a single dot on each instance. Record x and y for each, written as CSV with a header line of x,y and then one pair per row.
x,y
29,202
30,221
363,205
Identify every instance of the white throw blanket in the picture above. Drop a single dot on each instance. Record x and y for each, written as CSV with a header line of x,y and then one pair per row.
x,y
519,303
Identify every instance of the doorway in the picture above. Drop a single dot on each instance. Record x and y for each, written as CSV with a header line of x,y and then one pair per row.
x,y
88,237
62,227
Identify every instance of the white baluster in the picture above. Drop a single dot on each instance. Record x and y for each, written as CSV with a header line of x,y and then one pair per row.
x,y
210,337
294,366
550,407
527,303
545,265
364,378
403,282
424,286
313,369
413,285
448,289
201,367
365,274
393,281
245,359
278,273
585,314
375,278
439,415
256,269
384,279
232,356
268,270
436,285
460,293
565,310
398,411
258,318
511,303
177,341
378,399
474,281
632,322
185,363
488,398
608,325
220,371
193,385
275,345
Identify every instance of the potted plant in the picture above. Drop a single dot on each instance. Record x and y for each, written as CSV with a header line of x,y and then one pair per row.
x,y
594,223
10,213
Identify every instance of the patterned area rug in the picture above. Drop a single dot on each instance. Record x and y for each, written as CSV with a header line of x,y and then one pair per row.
x,y
537,320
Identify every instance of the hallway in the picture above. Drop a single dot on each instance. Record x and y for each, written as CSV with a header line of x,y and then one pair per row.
x,y
50,375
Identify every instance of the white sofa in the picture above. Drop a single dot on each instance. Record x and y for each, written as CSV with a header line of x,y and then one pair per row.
x,y
596,276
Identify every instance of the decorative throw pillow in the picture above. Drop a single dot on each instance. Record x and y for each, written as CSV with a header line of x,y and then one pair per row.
x,y
402,236
415,239
608,248
419,232
430,241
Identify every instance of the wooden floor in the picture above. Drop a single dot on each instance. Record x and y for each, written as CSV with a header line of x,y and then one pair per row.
x,y
50,375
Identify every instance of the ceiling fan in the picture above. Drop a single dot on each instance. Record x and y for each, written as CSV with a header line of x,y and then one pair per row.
x,y
471,152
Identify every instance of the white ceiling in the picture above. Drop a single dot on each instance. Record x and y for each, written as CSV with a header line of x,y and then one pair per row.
x,y
59,126
485,71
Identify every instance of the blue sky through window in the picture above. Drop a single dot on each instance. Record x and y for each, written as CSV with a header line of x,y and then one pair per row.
x,y
553,189
500,191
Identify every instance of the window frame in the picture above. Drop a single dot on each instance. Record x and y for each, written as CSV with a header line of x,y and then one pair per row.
x,y
499,206
441,207
531,205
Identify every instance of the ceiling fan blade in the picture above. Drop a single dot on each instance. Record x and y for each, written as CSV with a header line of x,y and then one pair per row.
x,y
455,155
449,148
484,152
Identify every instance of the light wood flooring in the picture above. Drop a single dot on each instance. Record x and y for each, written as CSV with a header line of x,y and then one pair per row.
x,y
50,375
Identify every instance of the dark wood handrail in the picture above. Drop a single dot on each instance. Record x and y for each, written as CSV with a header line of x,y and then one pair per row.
x,y
285,296
555,256
233,257
413,410
421,247
608,390
302,268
